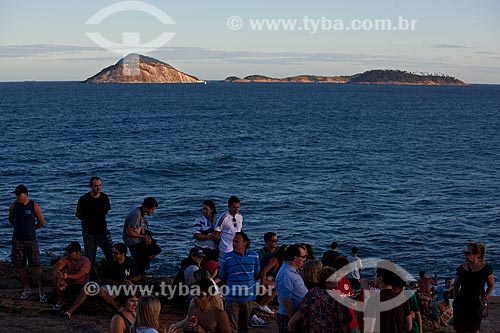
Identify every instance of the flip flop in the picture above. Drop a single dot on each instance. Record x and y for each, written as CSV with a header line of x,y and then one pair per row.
x,y
26,294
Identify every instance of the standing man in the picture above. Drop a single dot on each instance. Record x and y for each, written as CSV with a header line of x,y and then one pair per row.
x,y
229,223
239,269
22,215
142,247
329,256
382,315
289,285
91,210
353,275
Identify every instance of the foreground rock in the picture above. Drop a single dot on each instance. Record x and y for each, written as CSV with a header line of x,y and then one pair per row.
x,y
136,68
23,316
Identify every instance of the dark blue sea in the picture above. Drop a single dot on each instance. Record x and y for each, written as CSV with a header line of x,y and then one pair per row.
x,y
409,174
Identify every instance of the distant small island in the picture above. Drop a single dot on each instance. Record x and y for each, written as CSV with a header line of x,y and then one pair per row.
x,y
377,76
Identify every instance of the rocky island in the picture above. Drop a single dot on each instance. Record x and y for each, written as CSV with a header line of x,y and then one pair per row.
x,y
396,77
136,68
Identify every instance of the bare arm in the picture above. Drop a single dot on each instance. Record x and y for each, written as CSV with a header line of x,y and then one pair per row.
x,y
491,283
11,214
273,262
216,235
223,325
456,286
84,271
132,233
419,321
79,214
201,237
117,324
408,323
288,305
183,322
39,217
293,321
434,281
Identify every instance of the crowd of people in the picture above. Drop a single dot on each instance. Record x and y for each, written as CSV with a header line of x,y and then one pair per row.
x,y
311,295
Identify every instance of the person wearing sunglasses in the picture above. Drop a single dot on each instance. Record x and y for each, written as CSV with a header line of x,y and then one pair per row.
x,y
290,285
468,289
228,224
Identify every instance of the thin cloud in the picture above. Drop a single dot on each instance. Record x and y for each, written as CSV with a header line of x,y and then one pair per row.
x,y
448,46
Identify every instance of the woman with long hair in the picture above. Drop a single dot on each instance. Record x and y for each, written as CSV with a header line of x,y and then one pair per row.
x,y
203,232
147,315
310,273
468,289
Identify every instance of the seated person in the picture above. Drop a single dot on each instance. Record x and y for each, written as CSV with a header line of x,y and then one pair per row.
x,y
202,315
71,273
122,270
123,319
445,310
188,266
268,277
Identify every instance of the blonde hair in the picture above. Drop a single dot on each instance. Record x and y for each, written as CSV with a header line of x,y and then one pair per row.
x,y
147,313
311,269
480,250
198,275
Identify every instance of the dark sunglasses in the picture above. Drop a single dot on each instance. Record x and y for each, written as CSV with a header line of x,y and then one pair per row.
x,y
467,253
273,241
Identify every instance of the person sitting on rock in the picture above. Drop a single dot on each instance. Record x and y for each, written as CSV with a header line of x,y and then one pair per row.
x,y
71,274
122,270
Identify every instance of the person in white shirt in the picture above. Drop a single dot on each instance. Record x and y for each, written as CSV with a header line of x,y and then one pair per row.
x,y
354,276
228,224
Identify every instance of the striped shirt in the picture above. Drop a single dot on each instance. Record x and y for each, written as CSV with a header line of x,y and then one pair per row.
x,y
239,272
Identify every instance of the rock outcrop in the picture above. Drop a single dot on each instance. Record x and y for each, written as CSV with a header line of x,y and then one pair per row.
x,y
395,77
292,79
136,68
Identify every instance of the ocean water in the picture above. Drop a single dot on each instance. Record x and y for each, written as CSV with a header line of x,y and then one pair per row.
x,y
408,174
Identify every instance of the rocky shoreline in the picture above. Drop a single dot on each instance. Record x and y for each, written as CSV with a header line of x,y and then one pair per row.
x,y
18,315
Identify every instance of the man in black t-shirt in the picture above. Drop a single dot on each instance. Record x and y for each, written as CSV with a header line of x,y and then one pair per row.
x,y
329,256
91,210
121,270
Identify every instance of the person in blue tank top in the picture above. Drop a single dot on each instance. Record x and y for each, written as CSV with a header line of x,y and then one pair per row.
x,y
26,217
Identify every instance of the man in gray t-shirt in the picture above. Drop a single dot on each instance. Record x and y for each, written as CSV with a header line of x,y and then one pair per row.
x,y
142,247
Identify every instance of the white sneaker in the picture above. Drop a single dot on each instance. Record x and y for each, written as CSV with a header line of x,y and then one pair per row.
x,y
265,308
257,322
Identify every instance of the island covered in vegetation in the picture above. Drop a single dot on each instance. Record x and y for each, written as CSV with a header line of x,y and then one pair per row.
x,y
377,76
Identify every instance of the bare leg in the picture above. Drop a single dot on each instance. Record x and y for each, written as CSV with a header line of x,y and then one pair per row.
x,y
23,276
38,277
105,296
79,301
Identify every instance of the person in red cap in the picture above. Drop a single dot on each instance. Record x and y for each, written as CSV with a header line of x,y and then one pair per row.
x,y
213,268
26,217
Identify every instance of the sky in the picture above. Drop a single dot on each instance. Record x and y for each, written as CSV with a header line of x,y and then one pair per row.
x,y
68,40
